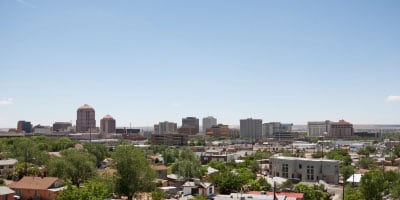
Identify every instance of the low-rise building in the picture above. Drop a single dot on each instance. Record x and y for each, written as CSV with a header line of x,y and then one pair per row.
x,y
6,193
198,187
308,170
169,139
7,167
45,188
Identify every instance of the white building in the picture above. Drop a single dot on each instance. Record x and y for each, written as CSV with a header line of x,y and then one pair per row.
x,y
308,170
251,128
208,122
318,128
198,188
7,167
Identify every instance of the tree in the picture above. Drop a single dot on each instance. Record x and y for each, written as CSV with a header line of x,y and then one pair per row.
x,y
188,165
97,150
157,194
75,165
351,193
93,190
133,171
372,185
346,171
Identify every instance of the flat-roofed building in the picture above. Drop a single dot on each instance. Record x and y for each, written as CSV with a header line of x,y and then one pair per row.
x,y
24,126
175,139
191,121
61,126
208,122
341,129
251,128
7,167
271,128
318,128
308,170
165,128
219,130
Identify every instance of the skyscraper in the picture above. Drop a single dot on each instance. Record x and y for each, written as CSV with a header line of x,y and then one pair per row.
x,y
107,124
251,128
208,122
86,120
191,122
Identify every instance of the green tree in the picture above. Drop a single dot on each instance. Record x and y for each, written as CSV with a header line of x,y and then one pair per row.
x,y
133,171
157,194
372,185
351,193
93,190
98,150
188,165
75,165
346,171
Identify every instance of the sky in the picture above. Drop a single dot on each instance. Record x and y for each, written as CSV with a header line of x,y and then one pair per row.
x,y
149,61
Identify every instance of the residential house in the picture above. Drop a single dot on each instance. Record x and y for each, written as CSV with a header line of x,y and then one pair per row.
x,y
6,193
198,187
161,171
44,188
7,167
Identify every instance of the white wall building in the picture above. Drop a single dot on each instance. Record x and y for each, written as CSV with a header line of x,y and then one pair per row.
x,y
318,128
208,122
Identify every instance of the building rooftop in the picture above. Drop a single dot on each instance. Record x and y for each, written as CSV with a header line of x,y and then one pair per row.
x,y
8,162
6,190
36,183
85,106
303,159
108,117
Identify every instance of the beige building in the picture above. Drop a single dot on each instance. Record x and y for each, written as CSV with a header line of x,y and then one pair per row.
x,y
107,124
341,129
219,130
85,120
165,128
316,129
208,122
307,170
251,128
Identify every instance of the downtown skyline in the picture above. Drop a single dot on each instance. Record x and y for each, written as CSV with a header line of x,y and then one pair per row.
x,y
149,62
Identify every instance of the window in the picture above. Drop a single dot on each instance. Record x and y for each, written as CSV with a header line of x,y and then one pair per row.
x,y
300,166
285,170
310,173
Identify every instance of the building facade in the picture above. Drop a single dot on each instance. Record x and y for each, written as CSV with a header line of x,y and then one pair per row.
x,y
191,121
169,139
219,130
307,170
208,122
61,126
165,128
107,124
85,120
24,126
251,128
341,129
316,129
271,128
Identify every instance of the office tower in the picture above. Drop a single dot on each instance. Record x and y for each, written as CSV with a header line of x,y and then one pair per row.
x,y
107,124
340,129
61,126
271,128
208,122
316,129
165,128
86,120
191,122
251,128
24,126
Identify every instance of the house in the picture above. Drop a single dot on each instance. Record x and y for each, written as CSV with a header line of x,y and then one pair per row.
x,y
161,171
6,193
7,167
198,187
175,180
45,188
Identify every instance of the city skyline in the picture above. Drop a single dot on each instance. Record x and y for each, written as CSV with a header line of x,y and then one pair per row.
x,y
149,62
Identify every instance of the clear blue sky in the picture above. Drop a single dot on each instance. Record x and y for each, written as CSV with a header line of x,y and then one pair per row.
x,y
150,61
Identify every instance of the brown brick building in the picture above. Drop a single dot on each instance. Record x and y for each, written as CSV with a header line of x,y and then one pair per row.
x,y
85,120
107,124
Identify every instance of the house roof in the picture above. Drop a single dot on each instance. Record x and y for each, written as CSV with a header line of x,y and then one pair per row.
x,y
355,177
36,183
160,167
6,190
200,184
8,162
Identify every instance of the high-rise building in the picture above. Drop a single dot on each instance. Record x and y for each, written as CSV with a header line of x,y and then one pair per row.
x,y
107,124
61,126
208,122
86,120
341,129
165,128
271,128
316,129
24,126
191,122
251,128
